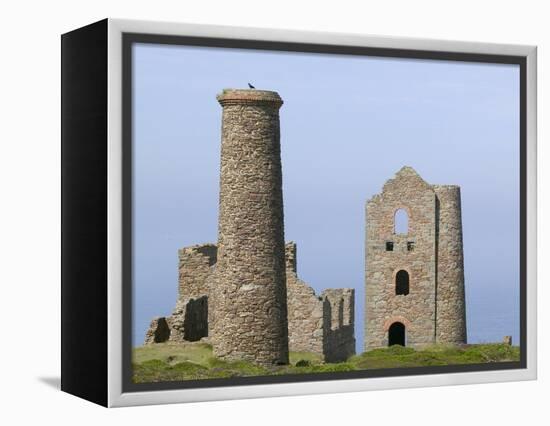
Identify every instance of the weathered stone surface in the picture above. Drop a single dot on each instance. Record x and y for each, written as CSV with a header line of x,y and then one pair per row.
x,y
189,321
450,297
322,325
430,253
190,317
305,310
195,270
249,279
195,267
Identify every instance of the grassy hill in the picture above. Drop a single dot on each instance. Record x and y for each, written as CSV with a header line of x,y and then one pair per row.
x,y
190,361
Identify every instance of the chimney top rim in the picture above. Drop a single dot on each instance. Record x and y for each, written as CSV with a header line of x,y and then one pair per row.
x,y
248,96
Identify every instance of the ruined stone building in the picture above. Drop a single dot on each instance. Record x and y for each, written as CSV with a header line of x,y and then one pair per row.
x,y
243,293
318,324
414,287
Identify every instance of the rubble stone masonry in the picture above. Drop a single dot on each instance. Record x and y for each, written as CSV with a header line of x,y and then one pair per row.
x,y
320,324
249,280
323,324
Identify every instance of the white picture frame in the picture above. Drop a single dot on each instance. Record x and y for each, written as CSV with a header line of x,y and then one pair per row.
x,y
115,393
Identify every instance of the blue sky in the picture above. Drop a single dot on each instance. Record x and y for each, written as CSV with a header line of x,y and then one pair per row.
x,y
347,125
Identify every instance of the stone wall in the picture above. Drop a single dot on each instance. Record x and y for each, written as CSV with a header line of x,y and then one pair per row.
x,y
305,310
190,318
195,276
194,269
430,253
188,323
319,324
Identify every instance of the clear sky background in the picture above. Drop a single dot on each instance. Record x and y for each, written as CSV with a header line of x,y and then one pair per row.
x,y
347,125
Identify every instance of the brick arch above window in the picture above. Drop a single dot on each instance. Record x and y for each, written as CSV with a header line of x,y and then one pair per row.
x,y
396,318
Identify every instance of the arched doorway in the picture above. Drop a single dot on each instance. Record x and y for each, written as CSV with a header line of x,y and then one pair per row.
x,y
396,334
402,282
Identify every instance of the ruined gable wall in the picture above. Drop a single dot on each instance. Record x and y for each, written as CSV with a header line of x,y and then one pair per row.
x,y
451,310
382,306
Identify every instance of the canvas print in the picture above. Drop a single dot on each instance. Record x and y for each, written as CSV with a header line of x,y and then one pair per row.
x,y
307,213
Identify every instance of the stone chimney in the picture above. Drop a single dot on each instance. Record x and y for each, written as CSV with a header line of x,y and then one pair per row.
x,y
249,283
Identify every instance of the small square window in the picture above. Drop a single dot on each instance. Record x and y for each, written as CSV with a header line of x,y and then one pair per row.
x,y
410,245
389,245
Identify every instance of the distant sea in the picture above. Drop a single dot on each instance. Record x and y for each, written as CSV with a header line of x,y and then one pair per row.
x,y
490,317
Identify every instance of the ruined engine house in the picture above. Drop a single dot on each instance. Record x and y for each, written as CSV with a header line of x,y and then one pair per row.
x,y
414,280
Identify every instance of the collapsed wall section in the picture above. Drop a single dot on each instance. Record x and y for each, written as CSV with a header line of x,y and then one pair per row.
x,y
305,310
192,315
338,324
320,324
188,323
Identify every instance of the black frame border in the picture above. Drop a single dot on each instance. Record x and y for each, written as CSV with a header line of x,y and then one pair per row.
x,y
84,234
128,39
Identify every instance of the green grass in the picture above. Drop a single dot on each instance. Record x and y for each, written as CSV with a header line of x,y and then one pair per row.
x,y
398,356
174,353
191,361
304,356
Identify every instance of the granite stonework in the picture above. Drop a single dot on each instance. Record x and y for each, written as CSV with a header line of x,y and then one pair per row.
x,y
249,292
319,324
427,261
240,293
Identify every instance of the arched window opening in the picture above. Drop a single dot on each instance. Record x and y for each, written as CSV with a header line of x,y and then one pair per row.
x,y
401,222
396,334
402,282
